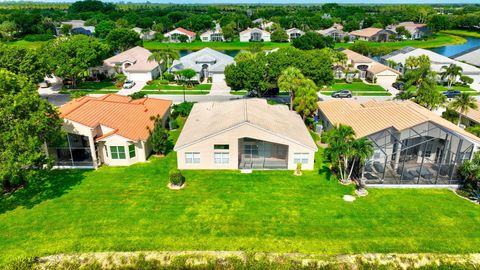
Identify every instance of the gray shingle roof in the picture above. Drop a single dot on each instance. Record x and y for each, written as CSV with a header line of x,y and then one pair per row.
x,y
217,61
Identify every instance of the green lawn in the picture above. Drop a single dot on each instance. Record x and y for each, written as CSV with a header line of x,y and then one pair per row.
x,y
25,44
463,33
131,209
174,92
357,89
96,86
156,85
443,88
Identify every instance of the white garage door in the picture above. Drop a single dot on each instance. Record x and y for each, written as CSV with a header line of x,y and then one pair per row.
x,y
386,80
142,77
218,77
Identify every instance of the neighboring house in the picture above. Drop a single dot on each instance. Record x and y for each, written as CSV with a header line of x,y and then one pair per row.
x,y
206,62
412,145
336,32
294,33
372,34
110,129
145,35
254,34
416,30
244,134
472,117
172,36
437,62
471,56
78,28
263,24
213,35
133,63
369,69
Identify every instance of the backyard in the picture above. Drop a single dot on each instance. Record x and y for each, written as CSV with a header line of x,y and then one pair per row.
x,y
130,208
357,89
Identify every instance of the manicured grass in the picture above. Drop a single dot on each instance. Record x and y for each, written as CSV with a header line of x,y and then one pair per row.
x,y
174,92
357,89
463,33
25,44
443,88
356,93
131,209
157,86
96,86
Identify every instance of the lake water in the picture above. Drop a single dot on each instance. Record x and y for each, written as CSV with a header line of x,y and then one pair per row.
x,y
232,53
451,50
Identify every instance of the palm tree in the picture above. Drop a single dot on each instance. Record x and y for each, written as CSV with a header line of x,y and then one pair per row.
x,y
362,149
164,56
463,103
451,73
289,81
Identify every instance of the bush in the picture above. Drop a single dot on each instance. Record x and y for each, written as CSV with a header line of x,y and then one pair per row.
x,y
38,37
182,109
137,95
169,77
173,124
149,82
163,82
176,178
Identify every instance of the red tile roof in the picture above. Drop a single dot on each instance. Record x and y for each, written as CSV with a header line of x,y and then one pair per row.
x,y
128,118
186,32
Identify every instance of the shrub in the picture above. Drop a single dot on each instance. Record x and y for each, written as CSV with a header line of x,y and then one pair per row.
x,y
182,109
159,138
149,82
137,95
163,81
176,178
169,77
209,80
173,124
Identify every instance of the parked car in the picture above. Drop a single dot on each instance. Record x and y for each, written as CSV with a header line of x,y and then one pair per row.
x,y
342,94
128,84
398,85
452,93
44,84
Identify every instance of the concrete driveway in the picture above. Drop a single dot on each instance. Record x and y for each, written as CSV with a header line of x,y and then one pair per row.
x,y
137,87
53,96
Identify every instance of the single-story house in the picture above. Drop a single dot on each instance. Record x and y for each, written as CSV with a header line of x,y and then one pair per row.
x,y
471,56
437,62
110,129
213,35
172,36
254,34
372,34
336,32
416,30
294,33
145,35
263,24
244,134
472,117
369,69
78,28
412,145
133,63
206,62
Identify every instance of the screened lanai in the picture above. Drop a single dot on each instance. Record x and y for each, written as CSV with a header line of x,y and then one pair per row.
x,y
424,154
258,154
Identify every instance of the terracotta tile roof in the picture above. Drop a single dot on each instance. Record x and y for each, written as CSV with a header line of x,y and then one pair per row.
x,y
473,114
374,116
366,32
128,118
185,31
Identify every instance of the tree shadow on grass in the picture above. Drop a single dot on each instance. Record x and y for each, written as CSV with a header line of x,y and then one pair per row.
x,y
46,186
325,170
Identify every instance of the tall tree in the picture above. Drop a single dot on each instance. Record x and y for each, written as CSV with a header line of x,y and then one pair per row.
x,y
290,81
451,73
71,57
122,39
313,40
305,101
27,123
164,57
463,103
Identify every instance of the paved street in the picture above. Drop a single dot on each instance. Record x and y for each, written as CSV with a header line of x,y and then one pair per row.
x,y
137,87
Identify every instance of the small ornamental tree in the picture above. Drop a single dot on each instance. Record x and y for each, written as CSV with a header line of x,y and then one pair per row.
x,y
176,178
159,137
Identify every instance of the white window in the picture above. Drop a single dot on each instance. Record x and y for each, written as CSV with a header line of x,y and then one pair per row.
x,y
192,157
221,157
300,158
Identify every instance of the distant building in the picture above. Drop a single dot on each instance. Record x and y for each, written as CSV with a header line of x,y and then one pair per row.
x,y
372,34
213,35
416,30
145,35
335,32
263,24
172,36
254,34
294,33
78,28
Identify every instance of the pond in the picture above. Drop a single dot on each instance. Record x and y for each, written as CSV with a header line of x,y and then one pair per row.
x,y
232,53
451,50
